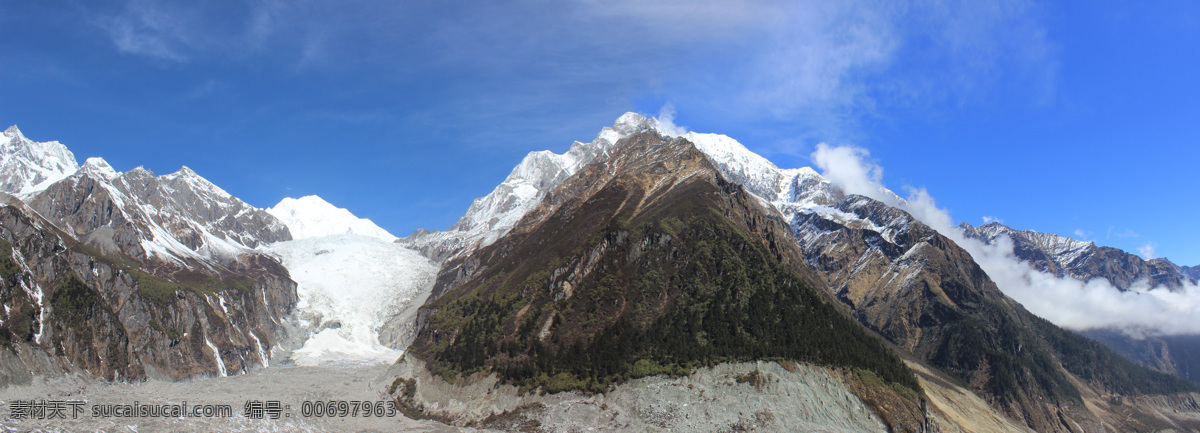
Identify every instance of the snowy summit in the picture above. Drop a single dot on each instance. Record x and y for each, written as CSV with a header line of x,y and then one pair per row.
x,y
312,217
28,167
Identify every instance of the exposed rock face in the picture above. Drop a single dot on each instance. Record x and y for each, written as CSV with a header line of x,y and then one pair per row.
x,y
177,218
760,396
1081,260
104,315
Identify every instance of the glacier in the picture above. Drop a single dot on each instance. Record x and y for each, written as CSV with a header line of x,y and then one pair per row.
x,y
348,286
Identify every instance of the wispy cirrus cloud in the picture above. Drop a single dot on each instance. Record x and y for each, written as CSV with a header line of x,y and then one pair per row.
x,y
148,29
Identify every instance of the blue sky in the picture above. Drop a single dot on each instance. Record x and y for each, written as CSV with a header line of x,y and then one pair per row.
x,y
1076,118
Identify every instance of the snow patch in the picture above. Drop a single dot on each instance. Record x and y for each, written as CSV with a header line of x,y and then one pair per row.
x,y
217,356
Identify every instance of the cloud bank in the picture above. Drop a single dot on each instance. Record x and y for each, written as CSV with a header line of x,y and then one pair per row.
x,y
1065,301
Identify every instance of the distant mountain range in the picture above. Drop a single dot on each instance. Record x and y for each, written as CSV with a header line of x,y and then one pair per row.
x,y
1063,256
640,254
574,260
133,275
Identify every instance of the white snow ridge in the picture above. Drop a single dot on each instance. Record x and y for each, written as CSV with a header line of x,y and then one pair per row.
x,y
312,216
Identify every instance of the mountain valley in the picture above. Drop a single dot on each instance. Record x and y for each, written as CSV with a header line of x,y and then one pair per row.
x,y
649,279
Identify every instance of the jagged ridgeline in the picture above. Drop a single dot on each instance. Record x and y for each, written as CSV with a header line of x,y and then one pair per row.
x,y
126,276
108,316
649,263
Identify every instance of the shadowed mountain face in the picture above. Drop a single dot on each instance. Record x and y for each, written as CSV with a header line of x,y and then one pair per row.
x,y
647,263
1191,271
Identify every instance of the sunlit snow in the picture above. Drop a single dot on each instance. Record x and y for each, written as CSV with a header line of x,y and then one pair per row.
x,y
348,286
312,217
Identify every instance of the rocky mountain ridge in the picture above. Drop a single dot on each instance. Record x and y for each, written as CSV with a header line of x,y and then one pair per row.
x,y
106,316
131,275
1061,255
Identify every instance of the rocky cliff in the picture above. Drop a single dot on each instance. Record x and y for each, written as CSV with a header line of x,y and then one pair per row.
x,y
107,315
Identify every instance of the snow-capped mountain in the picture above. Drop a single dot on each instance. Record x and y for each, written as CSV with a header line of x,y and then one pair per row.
x,y
311,217
147,259
28,167
179,218
493,215
556,236
793,191
1061,255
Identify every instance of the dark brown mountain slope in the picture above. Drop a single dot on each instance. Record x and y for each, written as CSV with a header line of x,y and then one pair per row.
x,y
647,263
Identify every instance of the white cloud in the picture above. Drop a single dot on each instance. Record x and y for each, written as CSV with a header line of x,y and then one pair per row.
x,y
990,219
814,62
847,167
1093,304
1064,301
1147,250
666,121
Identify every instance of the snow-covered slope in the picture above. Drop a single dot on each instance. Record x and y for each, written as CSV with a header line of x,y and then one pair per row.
x,y
311,217
1081,260
493,215
348,285
793,191
28,167
179,218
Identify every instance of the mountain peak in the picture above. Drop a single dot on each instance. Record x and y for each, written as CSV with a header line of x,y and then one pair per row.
x,y
196,182
491,216
98,167
312,217
13,131
632,123
28,167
